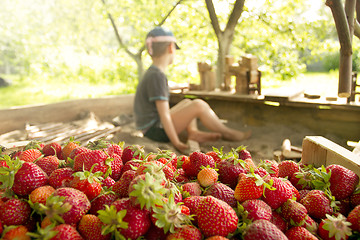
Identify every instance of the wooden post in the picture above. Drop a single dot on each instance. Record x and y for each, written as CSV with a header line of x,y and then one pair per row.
x,y
229,61
207,76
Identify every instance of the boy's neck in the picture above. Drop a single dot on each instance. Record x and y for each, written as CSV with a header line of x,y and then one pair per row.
x,y
160,63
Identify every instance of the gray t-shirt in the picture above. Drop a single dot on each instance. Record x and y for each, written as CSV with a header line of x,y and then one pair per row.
x,y
153,86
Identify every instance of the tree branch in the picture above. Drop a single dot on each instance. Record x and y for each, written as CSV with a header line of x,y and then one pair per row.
x,y
118,37
213,17
341,23
235,15
356,28
357,20
168,14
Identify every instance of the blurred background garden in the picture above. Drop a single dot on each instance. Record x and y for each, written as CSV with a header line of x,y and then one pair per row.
x,y
55,50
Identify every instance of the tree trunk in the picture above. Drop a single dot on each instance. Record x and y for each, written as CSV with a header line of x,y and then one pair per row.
x,y
224,44
225,37
344,22
140,65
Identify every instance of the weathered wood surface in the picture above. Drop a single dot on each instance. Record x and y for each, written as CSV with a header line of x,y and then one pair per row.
x,y
104,108
320,151
324,119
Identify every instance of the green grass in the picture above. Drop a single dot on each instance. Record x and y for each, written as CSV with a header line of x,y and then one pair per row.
x,y
322,83
20,94
26,92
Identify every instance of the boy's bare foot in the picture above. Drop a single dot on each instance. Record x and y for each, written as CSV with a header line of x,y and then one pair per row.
x,y
235,135
201,137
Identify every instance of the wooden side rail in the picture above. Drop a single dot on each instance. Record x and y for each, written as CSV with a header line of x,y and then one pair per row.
x,y
319,151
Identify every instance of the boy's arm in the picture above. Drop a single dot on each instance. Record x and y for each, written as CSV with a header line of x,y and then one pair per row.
x,y
165,118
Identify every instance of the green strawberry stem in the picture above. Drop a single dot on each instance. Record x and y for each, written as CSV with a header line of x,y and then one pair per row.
x,y
113,220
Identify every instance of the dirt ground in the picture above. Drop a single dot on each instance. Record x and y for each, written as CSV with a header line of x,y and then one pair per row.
x,y
264,141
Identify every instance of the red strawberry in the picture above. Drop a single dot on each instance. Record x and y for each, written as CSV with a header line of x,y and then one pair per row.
x,y
294,212
189,170
138,220
116,165
52,149
68,148
229,170
40,194
131,152
278,220
100,201
180,176
222,192
334,228
186,232
88,185
299,233
279,193
29,177
216,217
302,194
61,177
343,181
16,232
14,212
216,238
66,232
354,218
180,161
355,198
192,203
270,166
263,229
90,228
207,177
317,204
257,209
78,151
248,188
198,160
86,160
216,154
78,201
261,172
107,182
301,180
113,148
155,233
146,191
295,192
48,163
170,216
121,187
243,153
288,168
310,225
30,155
344,206
130,165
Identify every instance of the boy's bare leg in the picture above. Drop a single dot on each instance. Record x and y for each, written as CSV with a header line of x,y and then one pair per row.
x,y
201,136
187,111
193,132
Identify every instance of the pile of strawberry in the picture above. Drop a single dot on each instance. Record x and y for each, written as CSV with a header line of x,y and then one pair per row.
x,y
108,191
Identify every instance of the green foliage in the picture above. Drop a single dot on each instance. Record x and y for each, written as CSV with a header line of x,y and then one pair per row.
x,y
58,50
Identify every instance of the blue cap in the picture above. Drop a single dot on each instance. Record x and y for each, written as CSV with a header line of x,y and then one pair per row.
x,y
160,34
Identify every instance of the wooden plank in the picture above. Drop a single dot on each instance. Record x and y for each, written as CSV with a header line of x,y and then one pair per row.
x,y
284,93
319,151
105,108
